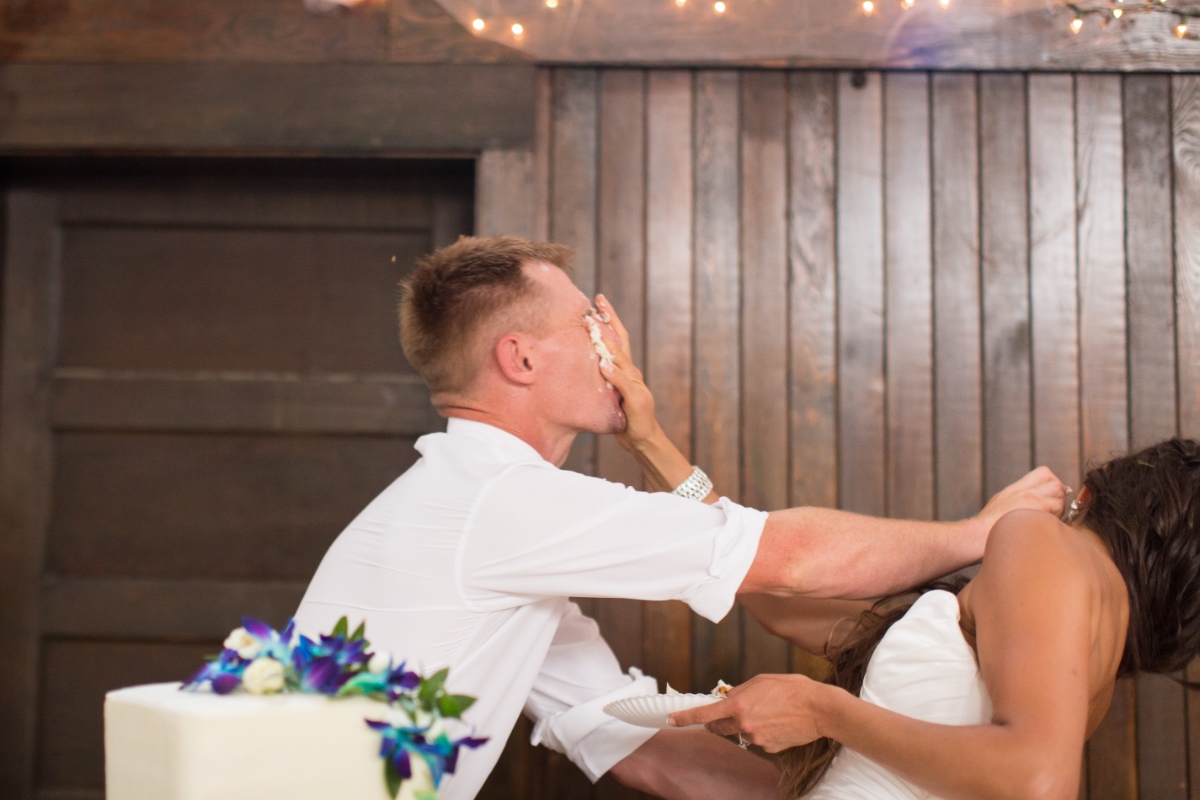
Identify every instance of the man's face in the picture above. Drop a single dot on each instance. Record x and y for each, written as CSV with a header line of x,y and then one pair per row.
x,y
573,391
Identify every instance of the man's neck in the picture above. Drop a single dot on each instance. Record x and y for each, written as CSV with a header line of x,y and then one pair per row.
x,y
552,445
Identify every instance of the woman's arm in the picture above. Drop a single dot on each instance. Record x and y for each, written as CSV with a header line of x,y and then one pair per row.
x,y
811,624
663,466
1033,602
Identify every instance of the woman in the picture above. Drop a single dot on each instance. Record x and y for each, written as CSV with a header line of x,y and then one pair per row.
x,y
1058,611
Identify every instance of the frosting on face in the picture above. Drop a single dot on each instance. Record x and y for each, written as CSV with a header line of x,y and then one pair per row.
x,y
593,319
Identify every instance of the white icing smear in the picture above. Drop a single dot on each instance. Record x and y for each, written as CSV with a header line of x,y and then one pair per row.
x,y
593,319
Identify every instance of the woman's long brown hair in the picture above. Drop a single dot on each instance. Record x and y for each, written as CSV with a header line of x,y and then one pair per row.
x,y
804,766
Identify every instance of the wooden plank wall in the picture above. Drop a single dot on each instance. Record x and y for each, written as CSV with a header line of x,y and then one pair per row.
x,y
893,292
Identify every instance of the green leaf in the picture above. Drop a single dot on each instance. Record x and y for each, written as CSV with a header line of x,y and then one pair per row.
x,y
391,777
453,705
342,626
425,795
431,687
358,632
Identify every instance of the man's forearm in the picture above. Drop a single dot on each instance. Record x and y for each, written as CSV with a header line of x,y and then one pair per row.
x,y
695,765
821,552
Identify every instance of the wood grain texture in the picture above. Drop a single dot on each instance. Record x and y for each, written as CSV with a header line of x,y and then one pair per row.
x,y
1148,241
189,610
1185,144
222,506
668,362
263,31
505,193
33,251
1103,364
1053,267
270,108
574,155
958,375
716,650
241,402
812,329
543,136
909,296
813,288
1102,273
621,232
205,297
1004,247
860,297
764,327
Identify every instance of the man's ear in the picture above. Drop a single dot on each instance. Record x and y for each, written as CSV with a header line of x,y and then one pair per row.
x,y
515,359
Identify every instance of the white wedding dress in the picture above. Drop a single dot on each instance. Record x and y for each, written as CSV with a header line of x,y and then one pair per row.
x,y
923,668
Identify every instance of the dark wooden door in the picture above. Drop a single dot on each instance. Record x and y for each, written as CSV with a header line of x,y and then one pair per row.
x,y
201,384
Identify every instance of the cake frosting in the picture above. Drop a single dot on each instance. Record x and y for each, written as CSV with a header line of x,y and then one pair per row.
x,y
164,744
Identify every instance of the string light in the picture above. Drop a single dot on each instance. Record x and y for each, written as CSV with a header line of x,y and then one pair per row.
x,y
518,29
477,24
944,3
719,7
907,3
551,3
1113,10
681,3
868,6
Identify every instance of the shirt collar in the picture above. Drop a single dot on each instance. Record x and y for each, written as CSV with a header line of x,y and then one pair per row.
x,y
490,434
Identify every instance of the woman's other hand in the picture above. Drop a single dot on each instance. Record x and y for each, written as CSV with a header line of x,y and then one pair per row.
x,y
774,712
636,400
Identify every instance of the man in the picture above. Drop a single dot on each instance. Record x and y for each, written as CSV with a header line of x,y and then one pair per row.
x,y
468,559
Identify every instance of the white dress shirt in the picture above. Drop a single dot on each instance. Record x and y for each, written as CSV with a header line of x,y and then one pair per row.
x,y
466,561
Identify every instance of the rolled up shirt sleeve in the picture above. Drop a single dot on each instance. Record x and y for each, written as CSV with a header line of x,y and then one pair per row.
x,y
571,535
578,678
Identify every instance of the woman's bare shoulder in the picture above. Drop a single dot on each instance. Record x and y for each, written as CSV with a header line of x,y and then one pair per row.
x,y
1026,544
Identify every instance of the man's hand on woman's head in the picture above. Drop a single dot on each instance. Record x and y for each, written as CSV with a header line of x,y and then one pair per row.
x,y
1038,490
636,399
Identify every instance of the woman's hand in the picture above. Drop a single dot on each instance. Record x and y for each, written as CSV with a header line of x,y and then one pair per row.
x,y
641,425
774,712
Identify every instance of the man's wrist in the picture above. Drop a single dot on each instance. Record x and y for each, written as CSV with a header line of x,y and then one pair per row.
x,y
968,538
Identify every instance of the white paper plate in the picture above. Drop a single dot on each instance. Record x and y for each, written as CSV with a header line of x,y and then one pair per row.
x,y
651,710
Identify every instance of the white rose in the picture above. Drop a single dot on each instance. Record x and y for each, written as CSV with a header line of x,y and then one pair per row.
x,y
246,645
421,780
380,662
263,676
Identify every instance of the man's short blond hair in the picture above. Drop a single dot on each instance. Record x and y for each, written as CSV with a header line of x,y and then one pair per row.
x,y
455,292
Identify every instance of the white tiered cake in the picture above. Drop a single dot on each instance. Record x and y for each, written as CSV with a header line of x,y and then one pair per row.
x,y
165,744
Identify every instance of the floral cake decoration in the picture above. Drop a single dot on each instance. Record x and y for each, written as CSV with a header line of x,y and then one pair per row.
x,y
260,660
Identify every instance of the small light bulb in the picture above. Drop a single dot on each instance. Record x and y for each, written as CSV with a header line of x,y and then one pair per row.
x,y
1076,25
719,7
518,29
908,3
1117,13
868,6
477,24
944,3
551,3
681,3
1181,30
